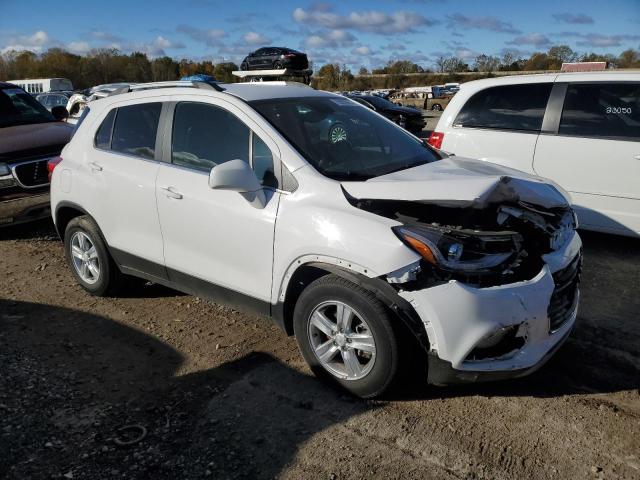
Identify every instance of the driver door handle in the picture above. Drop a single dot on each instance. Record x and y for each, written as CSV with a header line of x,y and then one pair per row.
x,y
169,192
96,167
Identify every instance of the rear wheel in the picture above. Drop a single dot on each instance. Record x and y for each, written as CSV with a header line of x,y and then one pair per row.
x,y
87,255
244,66
437,107
278,65
344,333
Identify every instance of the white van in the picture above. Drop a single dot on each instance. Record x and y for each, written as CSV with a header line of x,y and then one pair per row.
x,y
581,130
44,85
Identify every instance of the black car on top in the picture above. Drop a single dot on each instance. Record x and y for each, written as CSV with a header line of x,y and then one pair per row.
x,y
276,58
408,118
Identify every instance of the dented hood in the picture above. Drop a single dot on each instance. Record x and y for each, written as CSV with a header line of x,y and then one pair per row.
x,y
461,182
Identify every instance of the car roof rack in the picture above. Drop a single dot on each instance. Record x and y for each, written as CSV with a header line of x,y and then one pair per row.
x,y
135,87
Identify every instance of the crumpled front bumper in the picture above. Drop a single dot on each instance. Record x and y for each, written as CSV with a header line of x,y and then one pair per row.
x,y
457,317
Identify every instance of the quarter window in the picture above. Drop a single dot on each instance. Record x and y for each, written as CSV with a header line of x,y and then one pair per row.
x,y
103,135
509,107
602,110
135,129
205,136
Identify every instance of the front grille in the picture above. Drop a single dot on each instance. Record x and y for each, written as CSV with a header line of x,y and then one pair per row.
x,y
32,174
565,294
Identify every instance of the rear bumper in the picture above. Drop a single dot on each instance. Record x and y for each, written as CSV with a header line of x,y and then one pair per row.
x,y
24,209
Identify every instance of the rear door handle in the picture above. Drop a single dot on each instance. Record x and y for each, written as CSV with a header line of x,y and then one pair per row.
x,y
637,157
95,166
169,192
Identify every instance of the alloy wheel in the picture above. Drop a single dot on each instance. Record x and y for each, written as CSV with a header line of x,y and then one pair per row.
x,y
341,340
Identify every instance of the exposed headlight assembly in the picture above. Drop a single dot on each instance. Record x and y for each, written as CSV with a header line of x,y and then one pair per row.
x,y
462,250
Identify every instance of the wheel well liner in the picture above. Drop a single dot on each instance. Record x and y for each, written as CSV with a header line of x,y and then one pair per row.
x,y
310,272
65,212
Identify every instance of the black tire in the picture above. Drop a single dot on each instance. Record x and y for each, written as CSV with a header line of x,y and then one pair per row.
x,y
365,303
277,65
436,107
244,66
109,278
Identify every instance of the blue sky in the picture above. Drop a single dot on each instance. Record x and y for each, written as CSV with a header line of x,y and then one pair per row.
x,y
355,33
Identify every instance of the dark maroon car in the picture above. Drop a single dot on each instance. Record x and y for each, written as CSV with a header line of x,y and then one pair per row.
x,y
30,136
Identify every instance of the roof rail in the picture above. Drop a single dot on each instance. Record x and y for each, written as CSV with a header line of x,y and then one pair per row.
x,y
170,84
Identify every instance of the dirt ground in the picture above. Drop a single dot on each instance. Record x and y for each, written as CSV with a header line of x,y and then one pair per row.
x,y
219,394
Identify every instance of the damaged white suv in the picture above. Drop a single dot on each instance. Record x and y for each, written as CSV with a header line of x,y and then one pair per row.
x,y
309,208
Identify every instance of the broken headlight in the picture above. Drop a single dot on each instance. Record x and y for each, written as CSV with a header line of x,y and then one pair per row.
x,y
462,250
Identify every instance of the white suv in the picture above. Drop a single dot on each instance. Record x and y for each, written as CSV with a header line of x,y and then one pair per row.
x,y
309,208
581,130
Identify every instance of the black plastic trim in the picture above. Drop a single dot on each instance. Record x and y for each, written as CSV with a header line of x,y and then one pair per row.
x,y
553,112
441,373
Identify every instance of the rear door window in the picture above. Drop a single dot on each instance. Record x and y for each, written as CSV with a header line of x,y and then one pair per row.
x,y
135,129
602,110
508,107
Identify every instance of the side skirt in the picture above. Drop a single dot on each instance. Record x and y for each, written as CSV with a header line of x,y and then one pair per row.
x,y
151,271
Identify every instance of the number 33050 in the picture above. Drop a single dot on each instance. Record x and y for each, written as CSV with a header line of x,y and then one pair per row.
x,y
622,110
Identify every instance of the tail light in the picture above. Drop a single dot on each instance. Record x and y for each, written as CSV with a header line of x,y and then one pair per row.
x,y
288,55
435,139
51,165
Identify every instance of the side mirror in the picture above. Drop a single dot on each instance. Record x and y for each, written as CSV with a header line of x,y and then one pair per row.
x,y
59,113
237,175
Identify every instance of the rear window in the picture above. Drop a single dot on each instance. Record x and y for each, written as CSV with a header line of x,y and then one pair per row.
x,y
508,107
135,128
602,110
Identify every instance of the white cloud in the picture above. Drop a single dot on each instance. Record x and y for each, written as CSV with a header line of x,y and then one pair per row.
x,y
78,47
365,21
329,38
255,38
362,50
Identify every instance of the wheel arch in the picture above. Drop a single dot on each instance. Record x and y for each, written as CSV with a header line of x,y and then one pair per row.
x,y
306,273
64,213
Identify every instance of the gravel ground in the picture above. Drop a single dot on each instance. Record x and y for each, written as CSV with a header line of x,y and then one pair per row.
x,y
219,394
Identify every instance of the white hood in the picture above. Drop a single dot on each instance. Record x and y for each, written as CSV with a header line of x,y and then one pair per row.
x,y
461,182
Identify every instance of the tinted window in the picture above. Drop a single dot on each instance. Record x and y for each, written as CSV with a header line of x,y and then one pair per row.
x,y
205,136
103,135
135,129
17,107
602,110
510,107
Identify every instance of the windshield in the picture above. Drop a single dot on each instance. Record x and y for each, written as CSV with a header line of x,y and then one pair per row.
x,y
17,107
342,139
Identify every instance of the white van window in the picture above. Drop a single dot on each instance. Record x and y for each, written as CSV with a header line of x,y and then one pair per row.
x,y
508,107
602,110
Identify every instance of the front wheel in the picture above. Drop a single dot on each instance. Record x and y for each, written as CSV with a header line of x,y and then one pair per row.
x,y
436,107
278,65
344,332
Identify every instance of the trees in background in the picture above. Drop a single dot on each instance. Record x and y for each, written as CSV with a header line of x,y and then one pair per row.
x,y
110,65
105,66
